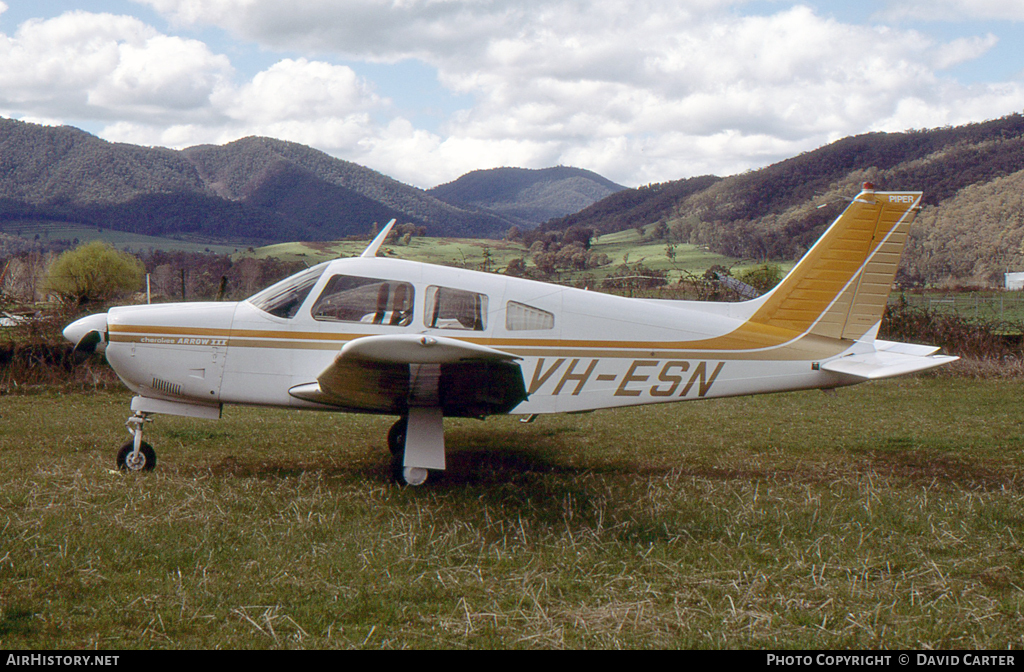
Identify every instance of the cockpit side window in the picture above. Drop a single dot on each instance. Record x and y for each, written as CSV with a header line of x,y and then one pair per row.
x,y
349,298
448,308
521,317
284,298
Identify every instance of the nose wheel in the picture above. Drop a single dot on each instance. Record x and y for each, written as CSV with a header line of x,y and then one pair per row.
x,y
128,459
136,454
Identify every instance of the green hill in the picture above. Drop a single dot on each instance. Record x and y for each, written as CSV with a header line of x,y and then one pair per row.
x,y
527,197
971,229
255,189
495,255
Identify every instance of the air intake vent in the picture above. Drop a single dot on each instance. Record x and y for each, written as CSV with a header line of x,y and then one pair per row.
x,y
164,386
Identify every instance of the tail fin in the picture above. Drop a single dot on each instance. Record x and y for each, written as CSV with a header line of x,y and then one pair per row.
x,y
839,289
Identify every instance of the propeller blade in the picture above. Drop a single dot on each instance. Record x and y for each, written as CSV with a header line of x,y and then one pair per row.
x,y
90,342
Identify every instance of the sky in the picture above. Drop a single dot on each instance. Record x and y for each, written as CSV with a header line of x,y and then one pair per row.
x,y
640,91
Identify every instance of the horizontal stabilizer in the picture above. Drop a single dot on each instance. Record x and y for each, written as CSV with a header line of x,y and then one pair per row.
x,y
906,348
886,363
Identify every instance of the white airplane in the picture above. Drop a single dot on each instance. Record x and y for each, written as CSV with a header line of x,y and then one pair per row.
x,y
425,342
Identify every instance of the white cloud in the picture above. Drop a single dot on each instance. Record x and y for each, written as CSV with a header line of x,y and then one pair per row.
x,y
314,103
84,65
771,81
153,89
963,50
956,10
657,88
963,105
299,90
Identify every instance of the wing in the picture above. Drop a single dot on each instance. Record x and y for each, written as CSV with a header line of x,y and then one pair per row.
x,y
388,374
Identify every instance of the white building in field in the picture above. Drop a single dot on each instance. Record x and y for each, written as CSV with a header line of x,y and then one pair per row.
x,y
1015,281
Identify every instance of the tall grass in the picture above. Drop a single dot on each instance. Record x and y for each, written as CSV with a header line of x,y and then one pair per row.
x,y
887,515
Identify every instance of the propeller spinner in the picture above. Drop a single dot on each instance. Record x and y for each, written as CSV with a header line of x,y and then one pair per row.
x,y
89,334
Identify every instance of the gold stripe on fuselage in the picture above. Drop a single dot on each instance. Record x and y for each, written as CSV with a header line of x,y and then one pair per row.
x,y
749,342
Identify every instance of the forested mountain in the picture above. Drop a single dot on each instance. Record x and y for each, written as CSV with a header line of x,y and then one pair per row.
x,y
527,197
970,231
255,189
319,190
265,190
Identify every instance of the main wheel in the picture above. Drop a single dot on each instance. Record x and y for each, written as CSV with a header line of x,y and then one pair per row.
x,y
396,436
144,461
403,475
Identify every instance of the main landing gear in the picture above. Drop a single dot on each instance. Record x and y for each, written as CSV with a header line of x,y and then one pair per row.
x,y
401,474
416,442
136,454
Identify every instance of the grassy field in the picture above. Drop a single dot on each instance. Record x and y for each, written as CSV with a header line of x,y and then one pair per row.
x,y
994,306
886,515
53,231
621,247
628,246
463,252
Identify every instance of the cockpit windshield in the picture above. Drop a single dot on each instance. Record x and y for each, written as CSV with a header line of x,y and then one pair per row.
x,y
284,298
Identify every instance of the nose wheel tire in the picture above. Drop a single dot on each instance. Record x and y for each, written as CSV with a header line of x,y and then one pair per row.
x,y
128,461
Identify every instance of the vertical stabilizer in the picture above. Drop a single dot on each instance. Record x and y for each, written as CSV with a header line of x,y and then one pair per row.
x,y
839,289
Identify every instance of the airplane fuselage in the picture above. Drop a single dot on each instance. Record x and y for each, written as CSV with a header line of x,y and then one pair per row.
x,y
578,350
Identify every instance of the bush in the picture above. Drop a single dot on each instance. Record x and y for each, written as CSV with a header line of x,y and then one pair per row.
x,y
956,335
94,272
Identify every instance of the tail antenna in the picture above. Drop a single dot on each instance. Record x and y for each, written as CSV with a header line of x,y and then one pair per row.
x,y
371,249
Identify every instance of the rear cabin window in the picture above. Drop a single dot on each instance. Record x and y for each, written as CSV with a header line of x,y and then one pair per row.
x,y
284,298
448,308
521,317
348,298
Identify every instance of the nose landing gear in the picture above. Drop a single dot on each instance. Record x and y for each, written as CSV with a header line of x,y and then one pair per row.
x,y
136,455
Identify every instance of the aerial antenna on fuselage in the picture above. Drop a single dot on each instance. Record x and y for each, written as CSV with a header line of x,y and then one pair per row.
x,y
371,250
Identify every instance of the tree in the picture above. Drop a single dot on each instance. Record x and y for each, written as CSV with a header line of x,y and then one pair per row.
x,y
578,234
762,278
94,272
516,267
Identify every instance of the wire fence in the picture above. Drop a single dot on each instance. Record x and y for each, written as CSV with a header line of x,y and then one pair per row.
x,y
985,306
